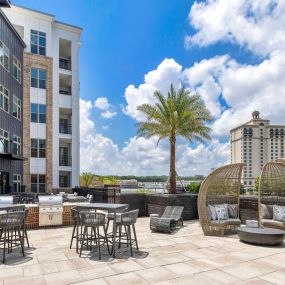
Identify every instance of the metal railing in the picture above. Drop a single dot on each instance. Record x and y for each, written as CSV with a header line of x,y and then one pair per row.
x,y
65,92
65,63
65,160
65,129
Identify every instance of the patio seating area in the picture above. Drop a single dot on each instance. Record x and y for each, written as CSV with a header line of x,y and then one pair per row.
x,y
185,257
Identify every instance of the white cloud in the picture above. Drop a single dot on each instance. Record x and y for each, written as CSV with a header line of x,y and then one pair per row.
x,y
108,114
255,24
166,73
102,103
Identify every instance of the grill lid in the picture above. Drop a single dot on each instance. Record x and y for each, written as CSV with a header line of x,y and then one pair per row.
x,y
50,200
7,200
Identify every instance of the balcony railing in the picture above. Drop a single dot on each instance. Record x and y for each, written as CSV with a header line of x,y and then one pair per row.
x,y
65,160
65,63
65,129
65,91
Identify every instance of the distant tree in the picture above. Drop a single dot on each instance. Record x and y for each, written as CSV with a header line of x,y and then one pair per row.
x,y
177,114
256,184
242,189
86,179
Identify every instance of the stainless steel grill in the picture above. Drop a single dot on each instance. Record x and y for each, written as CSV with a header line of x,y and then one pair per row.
x,y
6,200
50,210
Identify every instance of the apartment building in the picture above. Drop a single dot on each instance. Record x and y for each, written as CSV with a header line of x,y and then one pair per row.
x,y
51,99
255,143
11,107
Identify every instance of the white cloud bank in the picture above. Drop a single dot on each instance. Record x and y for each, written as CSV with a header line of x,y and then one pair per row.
x,y
258,25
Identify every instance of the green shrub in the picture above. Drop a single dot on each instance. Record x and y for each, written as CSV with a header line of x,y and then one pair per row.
x,y
193,187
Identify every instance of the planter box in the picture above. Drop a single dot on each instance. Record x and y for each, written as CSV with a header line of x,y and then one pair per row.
x,y
156,204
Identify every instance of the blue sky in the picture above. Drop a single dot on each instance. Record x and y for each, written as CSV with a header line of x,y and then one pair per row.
x,y
226,60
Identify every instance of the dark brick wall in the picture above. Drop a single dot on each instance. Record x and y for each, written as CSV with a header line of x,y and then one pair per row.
x,y
156,204
135,200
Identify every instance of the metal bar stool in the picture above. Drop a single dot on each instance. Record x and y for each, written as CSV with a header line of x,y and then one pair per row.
x,y
11,224
93,221
25,234
111,215
128,220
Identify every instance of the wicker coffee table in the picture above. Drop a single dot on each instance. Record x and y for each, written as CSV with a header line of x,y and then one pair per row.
x,y
261,236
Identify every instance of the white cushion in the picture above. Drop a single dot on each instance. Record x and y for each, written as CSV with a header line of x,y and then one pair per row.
x,y
212,212
222,211
279,213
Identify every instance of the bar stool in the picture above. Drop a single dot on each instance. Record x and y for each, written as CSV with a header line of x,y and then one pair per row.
x,y
25,234
11,224
128,220
76,228
93,221
111,215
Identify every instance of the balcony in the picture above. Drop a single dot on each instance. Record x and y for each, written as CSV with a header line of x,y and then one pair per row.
x,y
65,129
65,160
65,84
65,64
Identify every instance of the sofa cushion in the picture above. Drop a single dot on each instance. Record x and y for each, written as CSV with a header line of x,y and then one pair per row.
x,y
222,211
233,210
279,213
226,222
266,211
212,215
269,223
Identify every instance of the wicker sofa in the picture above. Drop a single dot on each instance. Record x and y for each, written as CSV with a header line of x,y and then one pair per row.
x,y
221,187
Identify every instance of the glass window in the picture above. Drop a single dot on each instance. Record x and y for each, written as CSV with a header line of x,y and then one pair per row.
x,y
17,107
17,69
38,113
4,137
38,42
4,55
4,98
17,145
17,181
38,183
38,78
38,148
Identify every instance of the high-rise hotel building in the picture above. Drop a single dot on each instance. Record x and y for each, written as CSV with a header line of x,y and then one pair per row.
x,y
51,100
255,143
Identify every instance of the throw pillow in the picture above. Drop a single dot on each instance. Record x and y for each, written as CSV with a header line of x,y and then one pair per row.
x,y
212,211
222,211
233,210
279,213
266,211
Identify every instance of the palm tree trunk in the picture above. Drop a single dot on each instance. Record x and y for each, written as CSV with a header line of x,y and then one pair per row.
x,y
172,180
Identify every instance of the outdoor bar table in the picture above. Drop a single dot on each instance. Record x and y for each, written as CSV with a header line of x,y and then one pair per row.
x,y
108,207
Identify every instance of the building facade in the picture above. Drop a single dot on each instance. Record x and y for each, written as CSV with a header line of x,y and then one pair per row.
x,y
51,100
254,144
11,107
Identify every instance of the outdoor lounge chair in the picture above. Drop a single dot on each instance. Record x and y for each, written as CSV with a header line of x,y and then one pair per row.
x,y
271,194
168,221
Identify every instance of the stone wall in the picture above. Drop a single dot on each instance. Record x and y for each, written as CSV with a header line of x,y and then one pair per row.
x,y
43,62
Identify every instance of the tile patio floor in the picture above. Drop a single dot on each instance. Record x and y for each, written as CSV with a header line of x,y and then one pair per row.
x,y
186,257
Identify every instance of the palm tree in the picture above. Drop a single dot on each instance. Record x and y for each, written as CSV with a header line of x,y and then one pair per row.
x,y
178,114
87,178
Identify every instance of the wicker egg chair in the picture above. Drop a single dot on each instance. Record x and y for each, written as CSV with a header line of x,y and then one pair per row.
x,y
271,192
222,186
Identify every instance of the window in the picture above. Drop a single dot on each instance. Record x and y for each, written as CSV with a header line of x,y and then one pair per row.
x,y
38,78
38,183
38,113
17,181
17,145
4,98
4,137
38,148
4,55
38,42
17,69
17,107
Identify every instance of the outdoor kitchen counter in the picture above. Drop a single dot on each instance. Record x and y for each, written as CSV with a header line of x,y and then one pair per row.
x,y
32,221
